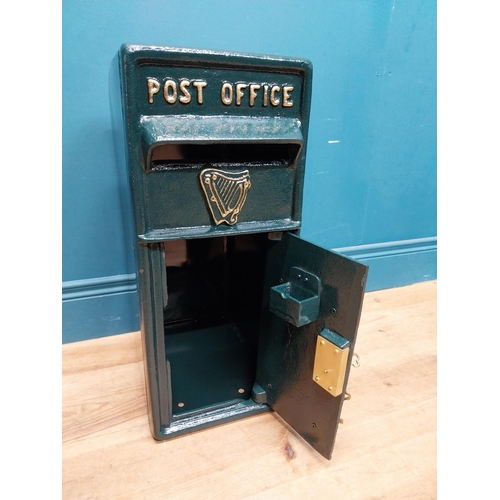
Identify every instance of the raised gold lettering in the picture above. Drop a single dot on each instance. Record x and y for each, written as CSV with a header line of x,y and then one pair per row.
x,y
199,84
286,97
186,97
253,94
181,90
266,95
226,93
170,97
239,92
274,100
153,88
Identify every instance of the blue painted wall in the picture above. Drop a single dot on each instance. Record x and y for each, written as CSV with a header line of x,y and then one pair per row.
x,y
370,185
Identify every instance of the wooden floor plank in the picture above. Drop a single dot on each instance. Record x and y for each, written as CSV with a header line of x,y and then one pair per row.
x,y
385,449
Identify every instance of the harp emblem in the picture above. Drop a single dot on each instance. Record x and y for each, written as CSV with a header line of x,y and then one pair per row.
x,y
226,193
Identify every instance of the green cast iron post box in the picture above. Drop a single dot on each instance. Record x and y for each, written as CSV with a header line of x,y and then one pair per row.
x,y
239,315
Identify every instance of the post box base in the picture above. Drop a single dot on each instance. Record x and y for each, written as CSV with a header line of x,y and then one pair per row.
x,y
212,364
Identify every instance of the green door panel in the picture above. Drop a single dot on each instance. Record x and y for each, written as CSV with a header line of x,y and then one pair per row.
x,y
287,352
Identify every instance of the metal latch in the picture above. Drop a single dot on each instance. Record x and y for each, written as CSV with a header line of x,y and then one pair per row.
x,y
330,361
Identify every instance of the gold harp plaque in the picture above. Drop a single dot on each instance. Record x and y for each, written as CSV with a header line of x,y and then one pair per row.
x,y
226,193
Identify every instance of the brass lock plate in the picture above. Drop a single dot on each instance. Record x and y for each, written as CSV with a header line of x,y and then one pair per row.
x,y
330,361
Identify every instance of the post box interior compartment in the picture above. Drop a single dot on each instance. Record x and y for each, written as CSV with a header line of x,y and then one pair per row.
x,y
211,318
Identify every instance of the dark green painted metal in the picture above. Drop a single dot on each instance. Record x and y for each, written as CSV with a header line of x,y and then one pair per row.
x,y
157,371
214,352
161,198
169,205
334,338
297,300
286,352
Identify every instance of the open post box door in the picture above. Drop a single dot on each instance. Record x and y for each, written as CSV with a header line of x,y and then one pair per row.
x,y
311,308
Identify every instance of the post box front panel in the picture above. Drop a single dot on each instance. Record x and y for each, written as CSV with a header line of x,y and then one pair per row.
x,y
269,197
244,117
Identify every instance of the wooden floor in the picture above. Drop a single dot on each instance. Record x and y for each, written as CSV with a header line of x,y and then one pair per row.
x,y
386,447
